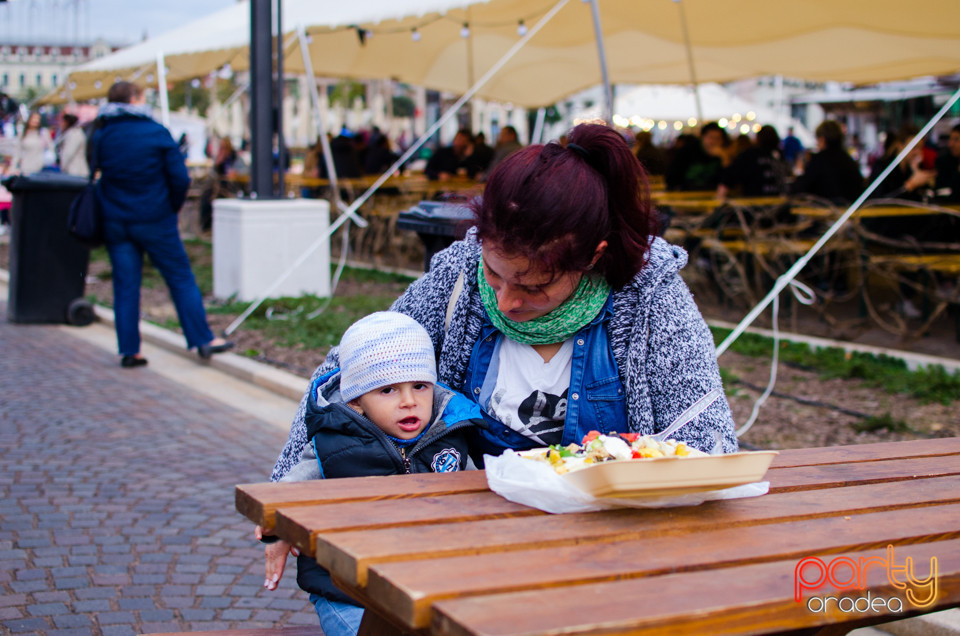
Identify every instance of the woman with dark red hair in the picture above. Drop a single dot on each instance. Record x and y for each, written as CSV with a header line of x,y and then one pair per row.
x,y
561,312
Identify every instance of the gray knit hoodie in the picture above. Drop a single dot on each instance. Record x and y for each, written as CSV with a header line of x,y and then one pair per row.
x,y
663,348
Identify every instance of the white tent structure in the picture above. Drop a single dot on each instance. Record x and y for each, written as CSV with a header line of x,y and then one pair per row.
x,y
487,48
447,44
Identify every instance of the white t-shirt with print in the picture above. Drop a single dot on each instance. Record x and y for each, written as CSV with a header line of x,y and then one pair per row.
x,y
530,395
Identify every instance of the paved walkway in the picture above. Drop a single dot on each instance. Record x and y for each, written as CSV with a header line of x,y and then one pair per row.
x,y
116,492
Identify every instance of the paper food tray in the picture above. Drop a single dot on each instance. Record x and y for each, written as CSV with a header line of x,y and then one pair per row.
x,y
670,475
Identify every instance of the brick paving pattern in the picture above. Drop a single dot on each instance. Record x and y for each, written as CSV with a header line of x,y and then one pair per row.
x,y
116,499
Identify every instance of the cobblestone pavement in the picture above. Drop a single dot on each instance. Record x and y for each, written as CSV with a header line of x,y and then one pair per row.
x,y
116,498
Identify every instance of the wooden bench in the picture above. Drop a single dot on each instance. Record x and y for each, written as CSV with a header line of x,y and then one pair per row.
x,y
875,212
947,265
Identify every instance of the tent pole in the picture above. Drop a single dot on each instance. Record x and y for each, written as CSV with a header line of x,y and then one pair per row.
x,y
470,71
261,100
538,125
162,88
322,128
281,149
781,117
602,54
693,74
791,273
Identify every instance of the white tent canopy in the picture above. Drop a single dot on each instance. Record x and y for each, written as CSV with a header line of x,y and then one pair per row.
x,y
647,106
818,40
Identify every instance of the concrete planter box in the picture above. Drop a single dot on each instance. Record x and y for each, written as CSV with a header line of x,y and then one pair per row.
x,y
255,242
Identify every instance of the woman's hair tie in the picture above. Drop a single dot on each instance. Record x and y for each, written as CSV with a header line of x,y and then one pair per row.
x,y
580,150
586,155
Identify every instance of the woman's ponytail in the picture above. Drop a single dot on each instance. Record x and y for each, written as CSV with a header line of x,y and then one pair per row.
x,y
631,219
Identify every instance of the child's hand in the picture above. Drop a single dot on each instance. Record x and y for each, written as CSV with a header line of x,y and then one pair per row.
x,y
275,559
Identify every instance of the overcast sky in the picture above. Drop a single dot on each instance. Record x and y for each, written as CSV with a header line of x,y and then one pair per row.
x,y
118,21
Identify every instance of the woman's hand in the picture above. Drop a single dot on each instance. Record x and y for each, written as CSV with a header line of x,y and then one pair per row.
x,y
275,559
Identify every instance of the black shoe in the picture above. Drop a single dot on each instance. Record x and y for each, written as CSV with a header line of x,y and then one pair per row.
x,y
129,362
207,350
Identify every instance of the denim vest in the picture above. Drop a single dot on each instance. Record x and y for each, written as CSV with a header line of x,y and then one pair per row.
x,y
596,399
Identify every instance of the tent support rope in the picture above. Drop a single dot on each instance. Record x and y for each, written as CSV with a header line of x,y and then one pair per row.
x,y
687,45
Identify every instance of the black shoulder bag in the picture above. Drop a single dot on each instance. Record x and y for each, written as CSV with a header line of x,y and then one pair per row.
x,y
85,220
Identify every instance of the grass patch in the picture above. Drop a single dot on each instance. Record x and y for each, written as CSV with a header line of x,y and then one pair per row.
x,y
201,262
928,384
876,423
285,320
99,254
729,379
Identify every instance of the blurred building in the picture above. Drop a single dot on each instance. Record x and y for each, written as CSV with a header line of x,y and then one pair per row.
x,y
32,69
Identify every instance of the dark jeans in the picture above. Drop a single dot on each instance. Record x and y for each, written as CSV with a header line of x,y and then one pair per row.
x,y
160,240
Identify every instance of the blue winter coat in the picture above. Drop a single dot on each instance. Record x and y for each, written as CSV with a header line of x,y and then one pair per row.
x,y
143,176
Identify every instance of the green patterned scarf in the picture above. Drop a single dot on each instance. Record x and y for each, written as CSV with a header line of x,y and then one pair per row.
x,y
571,316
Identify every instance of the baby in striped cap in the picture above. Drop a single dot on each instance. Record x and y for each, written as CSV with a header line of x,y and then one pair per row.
x,y
387,372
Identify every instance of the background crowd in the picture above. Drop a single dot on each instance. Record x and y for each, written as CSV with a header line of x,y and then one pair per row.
x,y
767,165
762,165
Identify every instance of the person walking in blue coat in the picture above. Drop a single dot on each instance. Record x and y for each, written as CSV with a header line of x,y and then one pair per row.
x,y
143,183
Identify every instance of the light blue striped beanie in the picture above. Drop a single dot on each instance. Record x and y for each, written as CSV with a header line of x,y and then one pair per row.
x,y
384,348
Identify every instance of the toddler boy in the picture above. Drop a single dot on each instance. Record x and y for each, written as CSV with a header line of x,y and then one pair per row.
x,y
381,413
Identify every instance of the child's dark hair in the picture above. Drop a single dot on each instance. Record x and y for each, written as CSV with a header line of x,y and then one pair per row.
x,y
553,205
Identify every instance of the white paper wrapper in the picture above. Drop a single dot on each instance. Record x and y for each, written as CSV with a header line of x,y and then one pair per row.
x,y
537,484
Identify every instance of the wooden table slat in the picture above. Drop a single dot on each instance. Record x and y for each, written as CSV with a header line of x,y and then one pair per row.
x,y
259,502
409,592
748,599
820,476
349,554
866,452
300,523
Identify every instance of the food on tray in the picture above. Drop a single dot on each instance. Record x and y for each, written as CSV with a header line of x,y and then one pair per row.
x,y
597,448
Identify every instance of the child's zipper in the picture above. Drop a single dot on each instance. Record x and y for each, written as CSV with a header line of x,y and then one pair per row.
x,y
406,460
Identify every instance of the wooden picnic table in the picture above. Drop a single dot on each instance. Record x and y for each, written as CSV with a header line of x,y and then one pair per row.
x,y
407,184
706,204
441,554
875,212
